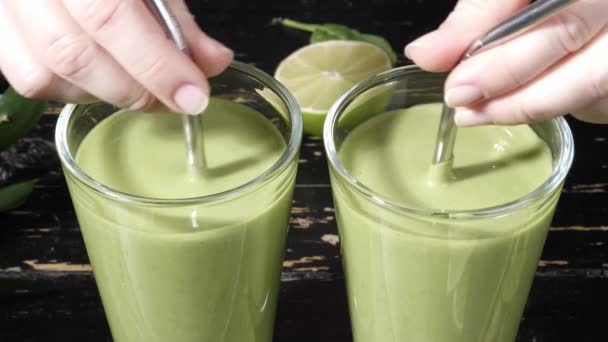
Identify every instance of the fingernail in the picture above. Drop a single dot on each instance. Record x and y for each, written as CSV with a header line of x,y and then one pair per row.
x,y
191,99
408,51
468,118
463,95
422,41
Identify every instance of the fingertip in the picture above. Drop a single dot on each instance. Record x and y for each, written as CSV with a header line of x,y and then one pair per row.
x,y
212,56
468,118
442,49
463,95
431,52
191,99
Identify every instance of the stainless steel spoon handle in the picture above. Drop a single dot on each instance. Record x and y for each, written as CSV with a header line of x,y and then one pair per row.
x,y
165,17
526,18
192,125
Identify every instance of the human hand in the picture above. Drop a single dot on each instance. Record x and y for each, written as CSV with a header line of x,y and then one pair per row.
x,y
558,66
112,50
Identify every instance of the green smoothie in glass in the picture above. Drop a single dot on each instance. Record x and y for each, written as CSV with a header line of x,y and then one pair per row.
x,y
430,258
179,256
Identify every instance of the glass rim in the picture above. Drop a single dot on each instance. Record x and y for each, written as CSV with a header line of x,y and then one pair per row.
x,y
69,163
558,174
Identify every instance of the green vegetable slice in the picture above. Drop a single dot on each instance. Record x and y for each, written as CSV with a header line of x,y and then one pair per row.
x,y
330,31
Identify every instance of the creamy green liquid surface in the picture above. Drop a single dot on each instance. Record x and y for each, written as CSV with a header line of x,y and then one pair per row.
x,y
185,273
392,154
437,280
145,154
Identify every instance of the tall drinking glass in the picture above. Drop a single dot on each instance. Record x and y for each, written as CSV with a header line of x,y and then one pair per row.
x,y
416,274
203,268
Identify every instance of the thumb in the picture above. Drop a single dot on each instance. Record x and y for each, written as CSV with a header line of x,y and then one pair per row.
x,y
441,49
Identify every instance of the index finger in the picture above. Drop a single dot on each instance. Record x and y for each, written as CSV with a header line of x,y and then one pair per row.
x,y
440,50
131,34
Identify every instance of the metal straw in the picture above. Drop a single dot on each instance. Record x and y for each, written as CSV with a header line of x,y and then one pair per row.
x,y
529,16
192,124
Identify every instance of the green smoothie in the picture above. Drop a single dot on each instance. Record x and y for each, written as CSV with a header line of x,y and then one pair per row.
x,y
420,278
181,273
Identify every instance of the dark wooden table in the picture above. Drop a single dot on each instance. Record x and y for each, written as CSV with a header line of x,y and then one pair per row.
x,y
47,289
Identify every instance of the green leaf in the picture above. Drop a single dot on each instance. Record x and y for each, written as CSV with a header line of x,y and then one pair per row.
x,y
330,31
333,32
14,195
298,25
17,116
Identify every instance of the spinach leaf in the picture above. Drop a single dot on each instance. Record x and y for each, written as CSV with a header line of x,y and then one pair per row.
x,y
17,116
15,195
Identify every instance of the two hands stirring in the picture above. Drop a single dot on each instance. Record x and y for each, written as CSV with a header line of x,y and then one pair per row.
x,y
79,51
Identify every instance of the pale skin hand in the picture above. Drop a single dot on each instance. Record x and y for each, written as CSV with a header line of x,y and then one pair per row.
x,y
112,50
560,66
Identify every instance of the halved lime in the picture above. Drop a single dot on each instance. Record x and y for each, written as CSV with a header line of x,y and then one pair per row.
x,y
319,73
